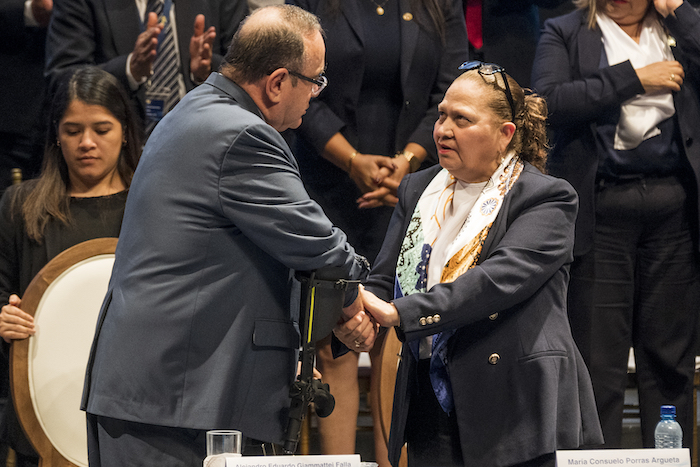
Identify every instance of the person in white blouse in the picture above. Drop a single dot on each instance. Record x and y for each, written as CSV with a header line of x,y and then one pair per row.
x,y
621,82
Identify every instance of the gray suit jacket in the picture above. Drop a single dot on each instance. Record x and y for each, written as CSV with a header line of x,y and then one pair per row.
x,y
199,326
521,388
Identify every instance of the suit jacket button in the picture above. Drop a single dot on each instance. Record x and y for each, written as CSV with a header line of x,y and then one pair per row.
x,y
493,316
436,319
407,16
494,358
422,321
407,104
689,141
429,320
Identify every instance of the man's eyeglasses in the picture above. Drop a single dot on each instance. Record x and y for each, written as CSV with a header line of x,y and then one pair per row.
x,y
319,84
491,69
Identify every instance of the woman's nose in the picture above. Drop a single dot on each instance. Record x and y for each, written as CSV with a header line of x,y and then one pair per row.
x,y
88,140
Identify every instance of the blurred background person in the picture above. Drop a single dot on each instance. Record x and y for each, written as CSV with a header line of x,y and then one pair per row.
x,y
158,49
506,32
22,43
92,148
621,80
473,274
389,63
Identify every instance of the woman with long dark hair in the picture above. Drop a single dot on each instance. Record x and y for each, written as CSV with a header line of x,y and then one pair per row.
x,y
92,148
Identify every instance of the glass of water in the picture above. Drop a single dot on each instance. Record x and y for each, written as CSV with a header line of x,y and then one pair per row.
x,y
226,442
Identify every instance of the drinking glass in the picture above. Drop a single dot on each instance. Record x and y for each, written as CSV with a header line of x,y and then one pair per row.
x,y
223,442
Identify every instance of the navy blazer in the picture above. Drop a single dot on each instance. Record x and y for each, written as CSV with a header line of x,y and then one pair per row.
x,y
427,70
521,388
103,32
200,325
567,71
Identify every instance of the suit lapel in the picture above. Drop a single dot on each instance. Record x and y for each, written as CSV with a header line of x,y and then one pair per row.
x,y
124,22
590,48
409,38
352,15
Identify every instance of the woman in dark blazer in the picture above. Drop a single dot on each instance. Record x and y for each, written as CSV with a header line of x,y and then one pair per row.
x,y
473,274
634,281
389,63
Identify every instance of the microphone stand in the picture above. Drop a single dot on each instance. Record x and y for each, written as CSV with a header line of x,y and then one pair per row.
x,y
306,388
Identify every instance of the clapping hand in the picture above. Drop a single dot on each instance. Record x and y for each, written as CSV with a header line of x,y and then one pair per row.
x,y
201,46
144,52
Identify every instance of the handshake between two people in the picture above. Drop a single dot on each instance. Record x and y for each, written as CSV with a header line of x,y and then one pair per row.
x,y
359,324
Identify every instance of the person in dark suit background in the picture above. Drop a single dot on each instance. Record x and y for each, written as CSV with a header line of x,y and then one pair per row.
x,y
22,44
473,275
22,116
389,63
621,80
506,32
199,329
120,37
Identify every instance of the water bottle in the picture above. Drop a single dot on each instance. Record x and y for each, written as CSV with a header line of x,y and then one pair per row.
x,y
668,433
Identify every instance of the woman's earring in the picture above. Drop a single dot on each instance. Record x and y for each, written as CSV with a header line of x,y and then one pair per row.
x,y
58,143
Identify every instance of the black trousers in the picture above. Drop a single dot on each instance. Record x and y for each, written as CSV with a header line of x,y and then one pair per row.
x,y
639,286
432,436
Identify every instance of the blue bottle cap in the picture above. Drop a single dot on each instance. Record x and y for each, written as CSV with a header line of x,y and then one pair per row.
x,y
668,410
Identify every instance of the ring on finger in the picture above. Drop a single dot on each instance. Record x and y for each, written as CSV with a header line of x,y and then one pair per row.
x,y
357,343
673,76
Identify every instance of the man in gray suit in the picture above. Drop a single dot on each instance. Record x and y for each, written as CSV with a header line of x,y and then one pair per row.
x,y
199,327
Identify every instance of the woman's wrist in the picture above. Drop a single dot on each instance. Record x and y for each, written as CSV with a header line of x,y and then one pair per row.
x,y
350,160
397,322
413,161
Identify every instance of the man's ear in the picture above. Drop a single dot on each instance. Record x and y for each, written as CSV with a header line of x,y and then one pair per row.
x,y
275,84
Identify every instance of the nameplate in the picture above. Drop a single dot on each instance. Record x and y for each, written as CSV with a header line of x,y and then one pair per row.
x,y
294,461
625,457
